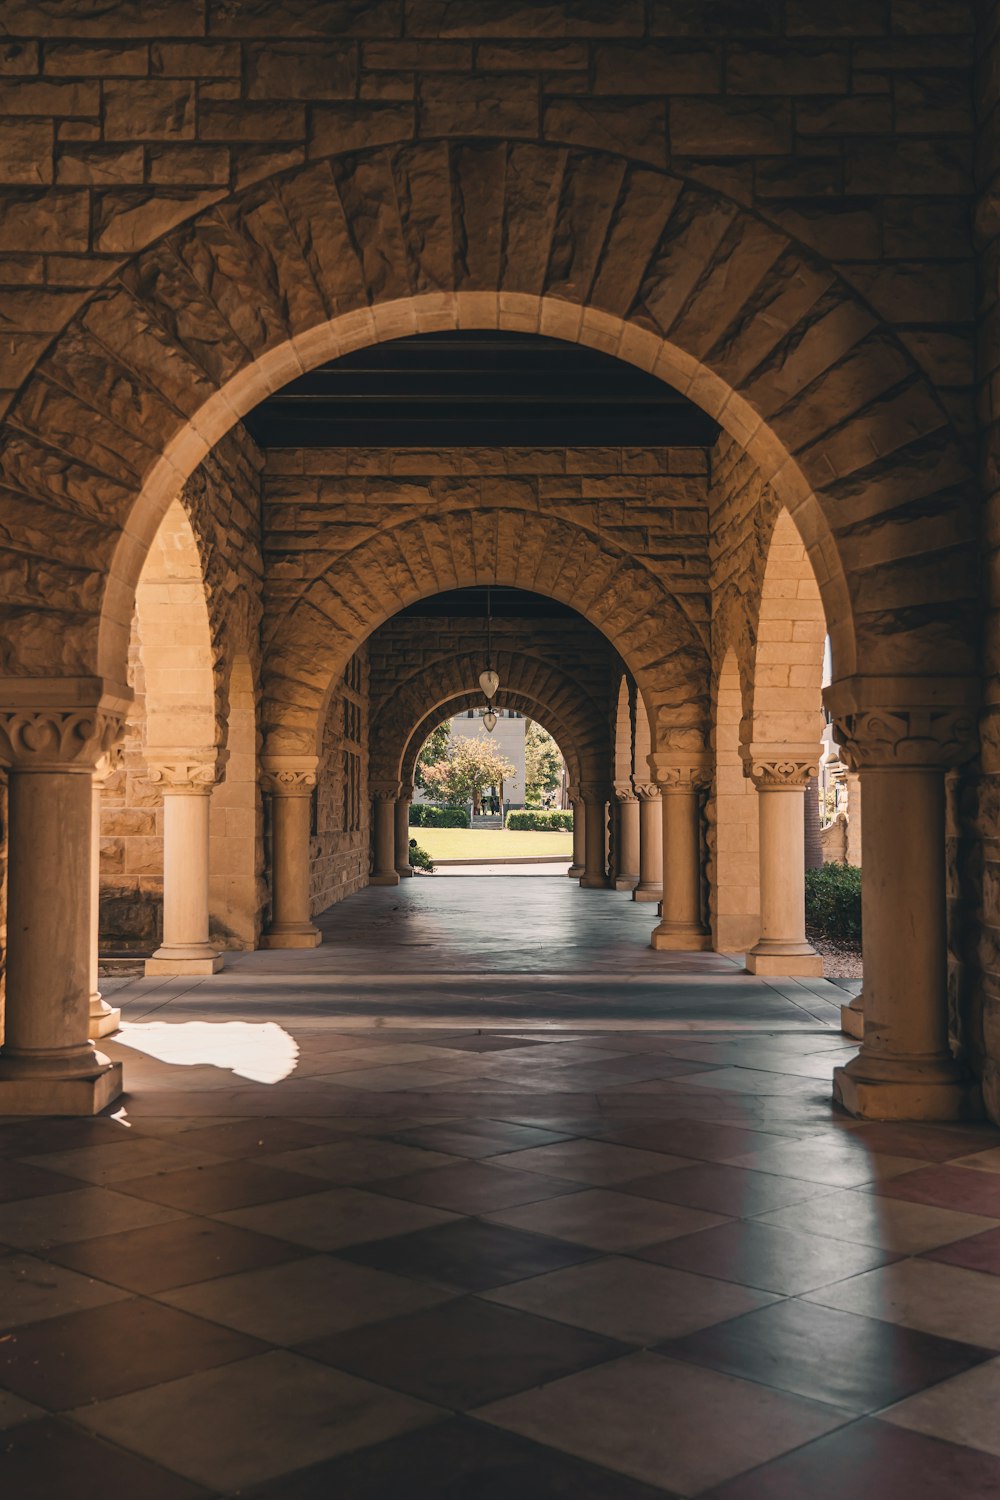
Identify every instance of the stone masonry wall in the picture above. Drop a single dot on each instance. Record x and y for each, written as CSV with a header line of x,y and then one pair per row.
x,y
222,503
341,839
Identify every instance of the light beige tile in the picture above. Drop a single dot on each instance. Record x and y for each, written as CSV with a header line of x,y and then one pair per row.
x,y
890,1223
253,1420
962,1410
56,1220
353,1161
936,1298
343,1216
288,1304
983,1161
33,1289
630,1300
835,1162
596,1162
676,1426
133,1158
607,1220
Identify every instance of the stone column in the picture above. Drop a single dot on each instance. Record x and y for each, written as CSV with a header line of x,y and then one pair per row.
x,y
384,795
187,783
48,1065
650,887
403,867
905,1069
576,869
594,795
681,927
852,1017
627,861
290,782
782,947
104,1018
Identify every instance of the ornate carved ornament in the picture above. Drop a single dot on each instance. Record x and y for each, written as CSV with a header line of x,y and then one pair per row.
x,y
287,781
189,775
885,738
786,772
647,791
625,791
406,791
384,791
55,739
595,791
693,777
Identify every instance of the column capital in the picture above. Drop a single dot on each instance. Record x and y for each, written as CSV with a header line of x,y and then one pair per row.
x,y
191,773
289,775
384,791
595,791
110,762
573,791
625,791
647,791
904,723
776,768
675,772
406,791
59,736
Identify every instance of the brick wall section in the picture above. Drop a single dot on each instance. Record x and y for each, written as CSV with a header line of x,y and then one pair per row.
x,y
222,502
341,842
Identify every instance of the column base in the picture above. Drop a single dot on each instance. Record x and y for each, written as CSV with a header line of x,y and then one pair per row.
x,y
388,878
161,963
802,965
595,883
404,874
59,1096
936,1089
668,938
647,893
105,1019
626,882
574,872
305,936
852,1018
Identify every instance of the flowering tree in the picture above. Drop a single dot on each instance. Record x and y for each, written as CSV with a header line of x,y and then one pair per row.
x,y
468,767
543,762
435,748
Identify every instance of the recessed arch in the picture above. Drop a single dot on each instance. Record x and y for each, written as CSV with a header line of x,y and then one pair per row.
x,y
789,649
521,702
195,329
733,832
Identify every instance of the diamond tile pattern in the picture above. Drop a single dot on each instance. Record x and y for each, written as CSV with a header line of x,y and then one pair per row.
x,y
445,1263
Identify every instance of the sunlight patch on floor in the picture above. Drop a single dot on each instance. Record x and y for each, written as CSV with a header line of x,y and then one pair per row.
x,y
263,1052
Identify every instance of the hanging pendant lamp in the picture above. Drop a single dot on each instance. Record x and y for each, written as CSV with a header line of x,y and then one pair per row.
x,y
490,718
489,680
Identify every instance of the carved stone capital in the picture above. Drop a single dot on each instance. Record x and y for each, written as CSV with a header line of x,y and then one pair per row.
x,y
192,775
783,773
406,791
625,791
289,776
595,791
919,737
58,739
647,791
383,791
572,792
675,773
111,761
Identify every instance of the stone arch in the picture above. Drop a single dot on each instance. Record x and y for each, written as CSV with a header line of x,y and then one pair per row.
x,y
524,704
787,666
733,833
666,273
540,687
623,747
236,880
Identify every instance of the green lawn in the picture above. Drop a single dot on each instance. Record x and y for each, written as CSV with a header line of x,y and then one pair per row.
x,y
491,843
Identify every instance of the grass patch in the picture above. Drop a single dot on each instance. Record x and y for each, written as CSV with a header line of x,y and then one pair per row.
x,y
493,843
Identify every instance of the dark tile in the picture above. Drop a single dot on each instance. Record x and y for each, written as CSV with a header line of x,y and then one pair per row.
x,y
255,1137
927,1142
214,1190
34,1137
49,1460
476,1138
870,1459
488,1042
456,1460
106,1351
464,1353
762,1255
963,1188
981,1252
468,1254
736,1191
474,1187
18,1179
175,1254
703,1141
855,1363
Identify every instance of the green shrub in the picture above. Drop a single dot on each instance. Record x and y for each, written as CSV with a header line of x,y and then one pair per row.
x,y
420,859
539,820
833,902
423,815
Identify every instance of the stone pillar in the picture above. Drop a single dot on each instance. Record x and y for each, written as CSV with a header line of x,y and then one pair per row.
x,y
384,795
290,782
852,1017
650,887
576,869
905,1069
403,867
627,858
48,1065
681,927
104,1018
782,947
187,782
594,795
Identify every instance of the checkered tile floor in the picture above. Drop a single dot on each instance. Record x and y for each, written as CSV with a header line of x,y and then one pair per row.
x,y
465,1263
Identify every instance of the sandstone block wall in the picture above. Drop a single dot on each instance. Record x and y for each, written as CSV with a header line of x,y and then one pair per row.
x,y
341,841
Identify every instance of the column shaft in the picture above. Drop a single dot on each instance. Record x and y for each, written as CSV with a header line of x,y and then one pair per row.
x,y
650,887
384,865
185,948
681,927
403,867
104,1018
290,926
782,947
595,874
578,866
627,875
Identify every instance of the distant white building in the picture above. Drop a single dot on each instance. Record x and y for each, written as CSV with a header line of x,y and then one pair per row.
x,y
508,736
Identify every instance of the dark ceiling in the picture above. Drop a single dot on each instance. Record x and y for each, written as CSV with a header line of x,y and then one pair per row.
x,y
440,390
504,604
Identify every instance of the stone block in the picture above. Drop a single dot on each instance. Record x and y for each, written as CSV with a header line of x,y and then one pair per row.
x,y
735,18
781,68
521,57
26,151
131,18
849,18
151,110
543,18
127,220
648,68
301,18
98,60
487,104
22,96
195,60
730,127
99,165
19,57
425,57
188,165
251,122
630,129
353,127
58,219
309,70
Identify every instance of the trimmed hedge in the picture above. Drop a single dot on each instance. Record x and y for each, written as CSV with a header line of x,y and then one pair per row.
x,y
833,902
423,815
420,859
539,820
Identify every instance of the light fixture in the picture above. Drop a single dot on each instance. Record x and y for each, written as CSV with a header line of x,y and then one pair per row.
x,y
490,718
489,680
